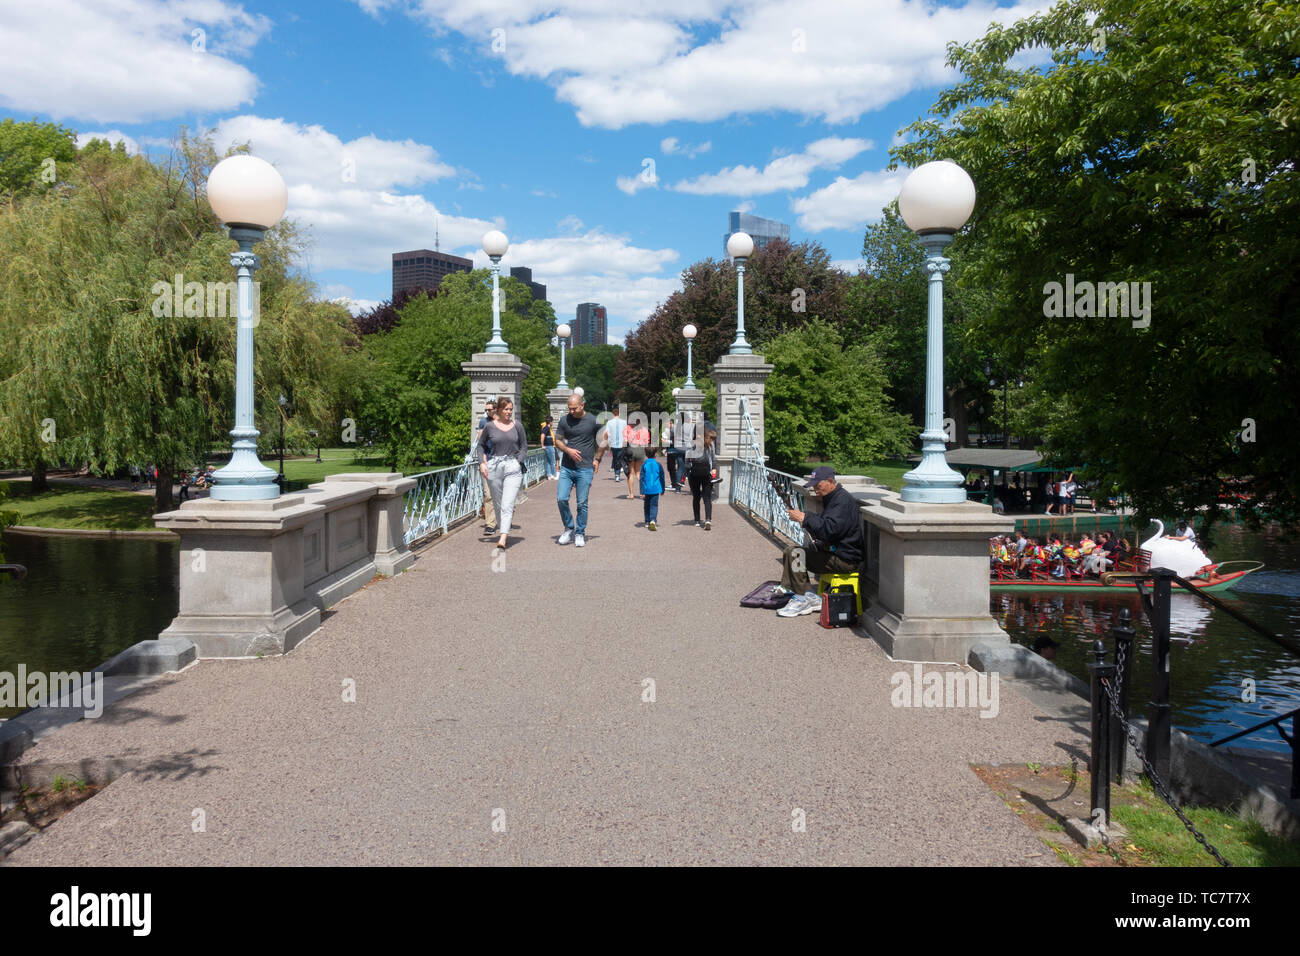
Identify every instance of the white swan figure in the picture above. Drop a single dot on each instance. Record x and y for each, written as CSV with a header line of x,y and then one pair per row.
x,y
1184,558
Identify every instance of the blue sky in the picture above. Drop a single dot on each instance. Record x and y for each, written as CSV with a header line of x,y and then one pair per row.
x,y
607,139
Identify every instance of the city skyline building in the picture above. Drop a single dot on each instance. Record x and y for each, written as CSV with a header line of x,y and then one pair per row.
x,y
425,269
590,325
761,230
525,275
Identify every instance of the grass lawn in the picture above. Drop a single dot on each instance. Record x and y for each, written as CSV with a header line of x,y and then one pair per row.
x,y
71,506
301,472
887,471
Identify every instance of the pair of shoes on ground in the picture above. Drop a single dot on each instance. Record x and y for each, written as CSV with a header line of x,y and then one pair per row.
x,y
652,526
707,526
807,603
578,540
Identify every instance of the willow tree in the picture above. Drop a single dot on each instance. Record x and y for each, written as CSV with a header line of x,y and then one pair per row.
x,y
114,361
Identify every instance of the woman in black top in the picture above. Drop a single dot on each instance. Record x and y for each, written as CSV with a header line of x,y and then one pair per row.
x,y
701,472
548,442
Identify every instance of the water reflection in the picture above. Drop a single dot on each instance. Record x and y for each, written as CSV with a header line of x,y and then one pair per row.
x,y
83,600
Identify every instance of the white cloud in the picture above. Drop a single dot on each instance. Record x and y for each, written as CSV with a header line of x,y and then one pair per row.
x,y
569,225
127,61
646,179
113,136
346,195
849,203
783,173
620,62
672,146
313,154
596,266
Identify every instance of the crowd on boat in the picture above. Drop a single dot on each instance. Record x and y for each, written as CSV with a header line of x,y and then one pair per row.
x,y
1052,556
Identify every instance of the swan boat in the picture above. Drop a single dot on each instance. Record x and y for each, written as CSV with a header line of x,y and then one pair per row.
x,y
1184,558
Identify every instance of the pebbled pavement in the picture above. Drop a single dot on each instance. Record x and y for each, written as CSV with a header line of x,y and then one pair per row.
x,y
499,719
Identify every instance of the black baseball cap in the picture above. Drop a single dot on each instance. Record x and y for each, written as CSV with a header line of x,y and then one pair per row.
x,y
819,474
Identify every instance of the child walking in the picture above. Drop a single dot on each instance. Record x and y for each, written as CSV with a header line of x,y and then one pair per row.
x,y
652,486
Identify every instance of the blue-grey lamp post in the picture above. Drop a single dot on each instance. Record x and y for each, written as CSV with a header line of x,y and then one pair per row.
x,y
740,247
248,195
689,333
562,333
936,200
495,245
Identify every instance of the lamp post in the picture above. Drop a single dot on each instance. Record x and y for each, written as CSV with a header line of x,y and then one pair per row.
x,y
316,438
284,404
936,200
495,245
562,333
689,332
740,247
248,195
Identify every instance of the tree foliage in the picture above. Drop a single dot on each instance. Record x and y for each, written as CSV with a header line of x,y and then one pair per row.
x,y
32,155
99,371
1160,146
785,286
827,397
416,401
592,367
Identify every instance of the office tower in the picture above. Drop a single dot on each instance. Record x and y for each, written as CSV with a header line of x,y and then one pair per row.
x,y
424,269
589,325
761,230
525,276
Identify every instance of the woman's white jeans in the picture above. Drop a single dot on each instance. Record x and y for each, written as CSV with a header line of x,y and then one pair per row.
x,y
505,475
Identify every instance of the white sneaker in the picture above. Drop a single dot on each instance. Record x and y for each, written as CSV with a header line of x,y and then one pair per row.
x,y
580,541
794,607
566,537
814,601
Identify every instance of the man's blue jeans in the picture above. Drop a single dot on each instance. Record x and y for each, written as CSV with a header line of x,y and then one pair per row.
x,y
550,461
570,478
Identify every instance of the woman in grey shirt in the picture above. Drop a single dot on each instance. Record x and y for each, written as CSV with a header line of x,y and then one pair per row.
x,y
503,448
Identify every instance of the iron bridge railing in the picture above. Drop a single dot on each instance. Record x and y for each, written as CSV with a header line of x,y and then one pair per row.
x,y
444,497
763,492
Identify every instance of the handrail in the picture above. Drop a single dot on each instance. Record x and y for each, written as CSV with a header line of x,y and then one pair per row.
x,y
17,570
444,497
762,491
1267,723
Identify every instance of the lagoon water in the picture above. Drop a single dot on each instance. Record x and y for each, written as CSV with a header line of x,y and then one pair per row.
x,y
83,600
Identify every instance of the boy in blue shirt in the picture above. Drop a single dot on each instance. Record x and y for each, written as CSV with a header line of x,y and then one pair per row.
x,y
652,486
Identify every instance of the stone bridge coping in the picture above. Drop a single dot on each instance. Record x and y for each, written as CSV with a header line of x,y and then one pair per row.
x,y
288,511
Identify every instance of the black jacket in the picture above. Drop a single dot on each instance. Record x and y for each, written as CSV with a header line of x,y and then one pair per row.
x,y
839,527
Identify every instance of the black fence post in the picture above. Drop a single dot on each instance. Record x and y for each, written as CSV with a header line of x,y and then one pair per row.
x,y
1159,728
1123,631
1101,731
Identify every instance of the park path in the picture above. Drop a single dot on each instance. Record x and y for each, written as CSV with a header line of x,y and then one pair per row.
x,y
513,695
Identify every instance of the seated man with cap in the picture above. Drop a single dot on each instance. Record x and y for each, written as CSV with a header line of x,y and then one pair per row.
x,y
836,534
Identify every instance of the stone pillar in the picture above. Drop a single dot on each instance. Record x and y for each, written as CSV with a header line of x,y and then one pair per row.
x,y
557,399
255,575
493,374
930,567
736,377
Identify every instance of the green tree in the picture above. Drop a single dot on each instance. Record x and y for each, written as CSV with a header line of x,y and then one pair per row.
x,y
32,156
106,368
785,286
592,367
887,304
826,397
1159,147
416,399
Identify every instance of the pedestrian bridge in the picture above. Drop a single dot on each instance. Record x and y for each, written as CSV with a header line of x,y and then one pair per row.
x,y
549,704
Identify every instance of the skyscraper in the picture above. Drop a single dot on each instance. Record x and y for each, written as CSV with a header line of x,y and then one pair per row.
x,y
589,326
424,269
761,230
525,276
